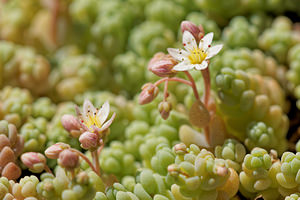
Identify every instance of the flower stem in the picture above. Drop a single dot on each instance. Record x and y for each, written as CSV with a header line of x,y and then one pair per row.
x,y
96,161
166,90
193,85
47,169
173,79
206,132
86,160
206,77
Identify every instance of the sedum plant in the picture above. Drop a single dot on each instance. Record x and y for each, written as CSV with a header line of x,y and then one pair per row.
x,y
227,133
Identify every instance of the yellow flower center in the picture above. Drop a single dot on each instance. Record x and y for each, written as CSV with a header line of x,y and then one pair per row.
x,y
197,56
92,120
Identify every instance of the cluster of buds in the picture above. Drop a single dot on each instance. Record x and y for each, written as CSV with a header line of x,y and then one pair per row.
x,y
161,65
67,158
195,55
91,127
11,146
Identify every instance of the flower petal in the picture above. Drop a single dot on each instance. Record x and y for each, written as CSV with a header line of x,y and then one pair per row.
x,y
188,41
206,40
108,123
77,110
183,66
178,54
212,51
201,66
81,117
88,107
103,112
84,127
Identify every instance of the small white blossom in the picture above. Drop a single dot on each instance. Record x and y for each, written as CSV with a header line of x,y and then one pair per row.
x,y
93,119
194,56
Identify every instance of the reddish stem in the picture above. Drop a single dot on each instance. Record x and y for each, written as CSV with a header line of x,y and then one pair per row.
x,y
100,149
206,78
86,159
72,171
47,169
96,161
166,90
193,85
173,79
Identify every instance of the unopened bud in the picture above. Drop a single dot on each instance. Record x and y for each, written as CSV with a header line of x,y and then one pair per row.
x,y
54,150
148,94
68,159
164,109
174,170
89,141
196,31
71,124
34,161
180,148
162,65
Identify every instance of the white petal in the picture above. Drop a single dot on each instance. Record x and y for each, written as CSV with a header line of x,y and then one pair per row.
x,y
206,40
183,66
88,107
108,123
212,51
188,41
178,54
79,114
77,110
103,112
201,66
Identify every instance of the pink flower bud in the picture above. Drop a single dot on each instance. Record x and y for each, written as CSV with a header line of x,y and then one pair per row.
x,y
164,109
89,140
70,123
162,65
34,161
68,159
54,150
196,31
149,92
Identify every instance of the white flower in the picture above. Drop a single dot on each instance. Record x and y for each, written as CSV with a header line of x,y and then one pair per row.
x,y
94,120
194,56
